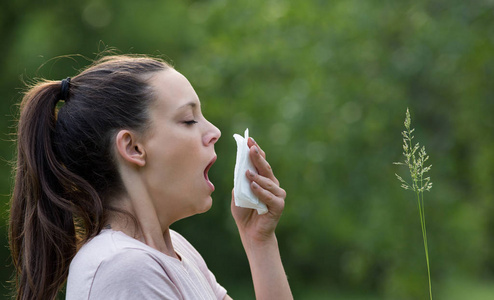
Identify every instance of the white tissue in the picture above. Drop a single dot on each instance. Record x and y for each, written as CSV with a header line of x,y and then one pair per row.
x,y
244,197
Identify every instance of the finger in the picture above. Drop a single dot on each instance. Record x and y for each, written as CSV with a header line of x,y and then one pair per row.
x,y
251,142
275,204
262,164
266,184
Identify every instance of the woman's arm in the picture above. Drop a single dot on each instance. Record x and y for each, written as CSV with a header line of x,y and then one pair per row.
x,y
257,232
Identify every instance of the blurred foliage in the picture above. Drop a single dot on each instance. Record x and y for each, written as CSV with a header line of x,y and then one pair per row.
x,y
323,87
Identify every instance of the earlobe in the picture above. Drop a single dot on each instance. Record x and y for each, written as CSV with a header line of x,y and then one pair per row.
x,y
129,149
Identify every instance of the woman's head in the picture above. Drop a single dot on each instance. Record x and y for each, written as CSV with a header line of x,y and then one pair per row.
x,y
168,165
66,165
112,94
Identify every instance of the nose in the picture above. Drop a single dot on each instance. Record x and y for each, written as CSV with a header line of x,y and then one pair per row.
x,y
212,135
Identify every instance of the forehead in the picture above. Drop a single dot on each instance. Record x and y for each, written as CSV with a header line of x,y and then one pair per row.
x,y
172,89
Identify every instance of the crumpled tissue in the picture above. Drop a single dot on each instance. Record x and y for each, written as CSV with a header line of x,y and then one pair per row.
x,y
244,197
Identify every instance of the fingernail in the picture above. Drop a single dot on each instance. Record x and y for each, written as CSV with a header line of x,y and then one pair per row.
x,y
253,140
250,174
256,149
255,185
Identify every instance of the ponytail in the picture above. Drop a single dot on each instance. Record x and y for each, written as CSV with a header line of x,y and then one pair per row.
x,y
66,174
42,232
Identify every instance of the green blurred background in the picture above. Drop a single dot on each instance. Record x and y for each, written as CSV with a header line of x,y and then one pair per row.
x,y
323,87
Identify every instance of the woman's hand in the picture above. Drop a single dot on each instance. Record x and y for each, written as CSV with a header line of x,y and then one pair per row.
x,y
257,231
251,225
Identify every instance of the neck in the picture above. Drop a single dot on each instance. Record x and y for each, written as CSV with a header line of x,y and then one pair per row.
x,y
147,228
150,228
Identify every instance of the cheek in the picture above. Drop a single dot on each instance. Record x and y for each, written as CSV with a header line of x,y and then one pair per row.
x,y
174,167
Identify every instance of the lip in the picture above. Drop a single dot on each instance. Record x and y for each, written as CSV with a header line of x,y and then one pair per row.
x,y
210,184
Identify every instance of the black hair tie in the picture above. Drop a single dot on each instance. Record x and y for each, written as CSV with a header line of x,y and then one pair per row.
x,y
64,89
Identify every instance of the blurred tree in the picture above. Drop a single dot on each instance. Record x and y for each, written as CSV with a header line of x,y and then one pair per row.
x,y
323,86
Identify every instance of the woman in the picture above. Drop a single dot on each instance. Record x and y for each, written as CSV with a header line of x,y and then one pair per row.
x,y
99,182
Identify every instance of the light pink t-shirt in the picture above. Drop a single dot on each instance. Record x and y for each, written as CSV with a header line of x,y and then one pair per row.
x,y
115,266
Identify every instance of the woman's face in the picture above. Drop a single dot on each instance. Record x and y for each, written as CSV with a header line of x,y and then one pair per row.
x,y
179,149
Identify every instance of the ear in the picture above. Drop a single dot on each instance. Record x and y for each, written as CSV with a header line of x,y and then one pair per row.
x,y
129,149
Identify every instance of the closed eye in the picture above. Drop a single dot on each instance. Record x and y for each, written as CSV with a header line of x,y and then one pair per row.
x,y
191,122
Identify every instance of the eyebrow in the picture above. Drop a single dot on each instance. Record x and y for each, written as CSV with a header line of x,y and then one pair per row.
x,y
191,104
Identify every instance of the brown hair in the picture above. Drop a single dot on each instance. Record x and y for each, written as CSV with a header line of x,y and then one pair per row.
x,y
65,168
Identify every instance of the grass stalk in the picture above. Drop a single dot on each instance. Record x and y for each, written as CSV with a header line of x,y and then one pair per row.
x,y
415,157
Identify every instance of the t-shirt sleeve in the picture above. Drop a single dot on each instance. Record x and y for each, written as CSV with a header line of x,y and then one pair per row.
x,y
185,248
132,274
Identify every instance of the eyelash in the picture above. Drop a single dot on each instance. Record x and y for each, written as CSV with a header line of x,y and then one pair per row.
x,y
191,122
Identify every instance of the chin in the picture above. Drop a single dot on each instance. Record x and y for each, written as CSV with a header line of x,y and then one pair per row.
x,y
207,205
200,207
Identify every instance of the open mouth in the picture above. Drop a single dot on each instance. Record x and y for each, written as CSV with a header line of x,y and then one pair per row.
x,y
207,170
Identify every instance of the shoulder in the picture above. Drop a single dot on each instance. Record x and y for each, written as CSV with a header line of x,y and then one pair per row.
x,y
113,265
105,246
133,273
134,259
115,250
129,266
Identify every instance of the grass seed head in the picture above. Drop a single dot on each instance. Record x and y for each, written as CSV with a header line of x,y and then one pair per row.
x,y
415,157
